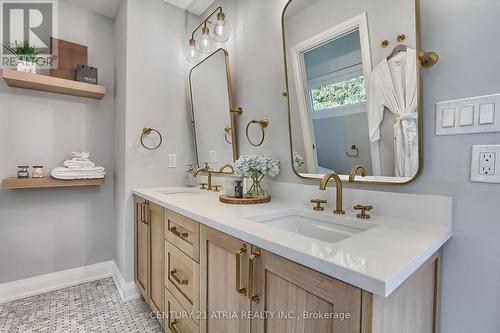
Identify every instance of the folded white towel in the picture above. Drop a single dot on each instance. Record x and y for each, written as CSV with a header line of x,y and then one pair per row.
x,y
83,156
86,173
78,164
79,177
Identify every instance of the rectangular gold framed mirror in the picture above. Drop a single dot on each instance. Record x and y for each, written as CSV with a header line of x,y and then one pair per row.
x,y
212,118
353,89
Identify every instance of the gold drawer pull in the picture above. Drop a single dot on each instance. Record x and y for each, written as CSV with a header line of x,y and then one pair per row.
x,y
173,274
183,235
238,254
172,325
144,212
251,260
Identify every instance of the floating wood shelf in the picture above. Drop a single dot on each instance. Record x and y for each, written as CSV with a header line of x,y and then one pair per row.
x,y
52,84
47,182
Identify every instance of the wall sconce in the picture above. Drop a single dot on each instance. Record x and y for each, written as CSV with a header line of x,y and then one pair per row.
x,y
212,31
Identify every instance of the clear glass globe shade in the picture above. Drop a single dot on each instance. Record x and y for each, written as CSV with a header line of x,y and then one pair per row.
x,y
205,43
192,54
220,29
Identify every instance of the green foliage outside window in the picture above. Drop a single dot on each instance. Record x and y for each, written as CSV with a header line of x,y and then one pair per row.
x,y
339,94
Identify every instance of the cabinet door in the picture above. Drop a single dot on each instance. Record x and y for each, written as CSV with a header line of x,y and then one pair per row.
x,y
301,300
223,263
141,247
156,258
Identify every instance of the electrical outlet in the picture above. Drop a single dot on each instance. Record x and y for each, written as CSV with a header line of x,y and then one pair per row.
x,y
172,160
485,164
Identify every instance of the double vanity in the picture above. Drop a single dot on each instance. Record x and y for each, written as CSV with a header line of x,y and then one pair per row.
x,y
368,262
205,266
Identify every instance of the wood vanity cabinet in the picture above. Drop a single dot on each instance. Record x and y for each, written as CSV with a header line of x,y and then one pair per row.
x,y
231,286
238,279
291,291
282,291
141,248
182,273
223,288
149,252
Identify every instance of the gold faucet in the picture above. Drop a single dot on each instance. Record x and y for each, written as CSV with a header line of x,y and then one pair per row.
x,y
209,173
338,185
227,166
354,170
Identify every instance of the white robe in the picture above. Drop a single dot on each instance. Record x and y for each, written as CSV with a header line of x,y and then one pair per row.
x,y
393,86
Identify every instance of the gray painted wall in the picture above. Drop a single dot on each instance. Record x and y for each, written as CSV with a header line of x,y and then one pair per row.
x,y
336,135
336,55
44,231
460,32
151,91
119,191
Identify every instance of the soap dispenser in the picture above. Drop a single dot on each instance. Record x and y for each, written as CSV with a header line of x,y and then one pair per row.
x,y
189,179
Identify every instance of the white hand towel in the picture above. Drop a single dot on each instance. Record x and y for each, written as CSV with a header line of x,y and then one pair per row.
x,y
83,156
78,164
87,173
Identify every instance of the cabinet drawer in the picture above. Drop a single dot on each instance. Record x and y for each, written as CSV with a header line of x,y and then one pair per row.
x,y
183,233
182,277
177,320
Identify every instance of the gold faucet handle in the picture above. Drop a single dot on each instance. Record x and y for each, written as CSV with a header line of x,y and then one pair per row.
x,y
363,210
318,203
216,188
203,186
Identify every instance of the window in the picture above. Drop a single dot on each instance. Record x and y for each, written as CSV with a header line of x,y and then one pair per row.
x,y
343,93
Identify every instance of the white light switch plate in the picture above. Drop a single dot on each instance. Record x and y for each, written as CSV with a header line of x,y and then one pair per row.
x,y
468,115
213,156
485,164
172,160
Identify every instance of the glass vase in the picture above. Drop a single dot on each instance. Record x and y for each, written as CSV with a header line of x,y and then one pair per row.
x,y
257,188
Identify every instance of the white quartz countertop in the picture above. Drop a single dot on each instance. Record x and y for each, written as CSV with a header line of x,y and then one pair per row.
x,y
377,260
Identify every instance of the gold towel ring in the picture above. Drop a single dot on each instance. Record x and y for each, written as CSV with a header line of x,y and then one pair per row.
x,y
146,131
263,123
227,130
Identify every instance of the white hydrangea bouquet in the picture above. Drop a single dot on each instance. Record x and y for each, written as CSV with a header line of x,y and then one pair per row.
x,y
298,160
257,167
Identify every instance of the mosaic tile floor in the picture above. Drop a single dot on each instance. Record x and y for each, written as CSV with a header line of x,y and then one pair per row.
x,y
91,307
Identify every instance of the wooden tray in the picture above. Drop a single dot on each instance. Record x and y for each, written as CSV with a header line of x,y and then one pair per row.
x,y
244,201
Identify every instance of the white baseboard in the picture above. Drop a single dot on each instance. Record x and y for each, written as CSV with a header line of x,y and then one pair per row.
x,y
11,291
127,290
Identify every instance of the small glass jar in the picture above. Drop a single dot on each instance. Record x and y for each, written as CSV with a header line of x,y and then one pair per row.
x,y
23,172
37,171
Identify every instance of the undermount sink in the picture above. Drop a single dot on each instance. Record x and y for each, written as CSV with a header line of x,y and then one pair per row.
x,y
321,226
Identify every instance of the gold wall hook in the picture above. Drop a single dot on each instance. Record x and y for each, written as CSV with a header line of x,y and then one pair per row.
x,y
264,123
238,110
385,43
428,59
401,38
